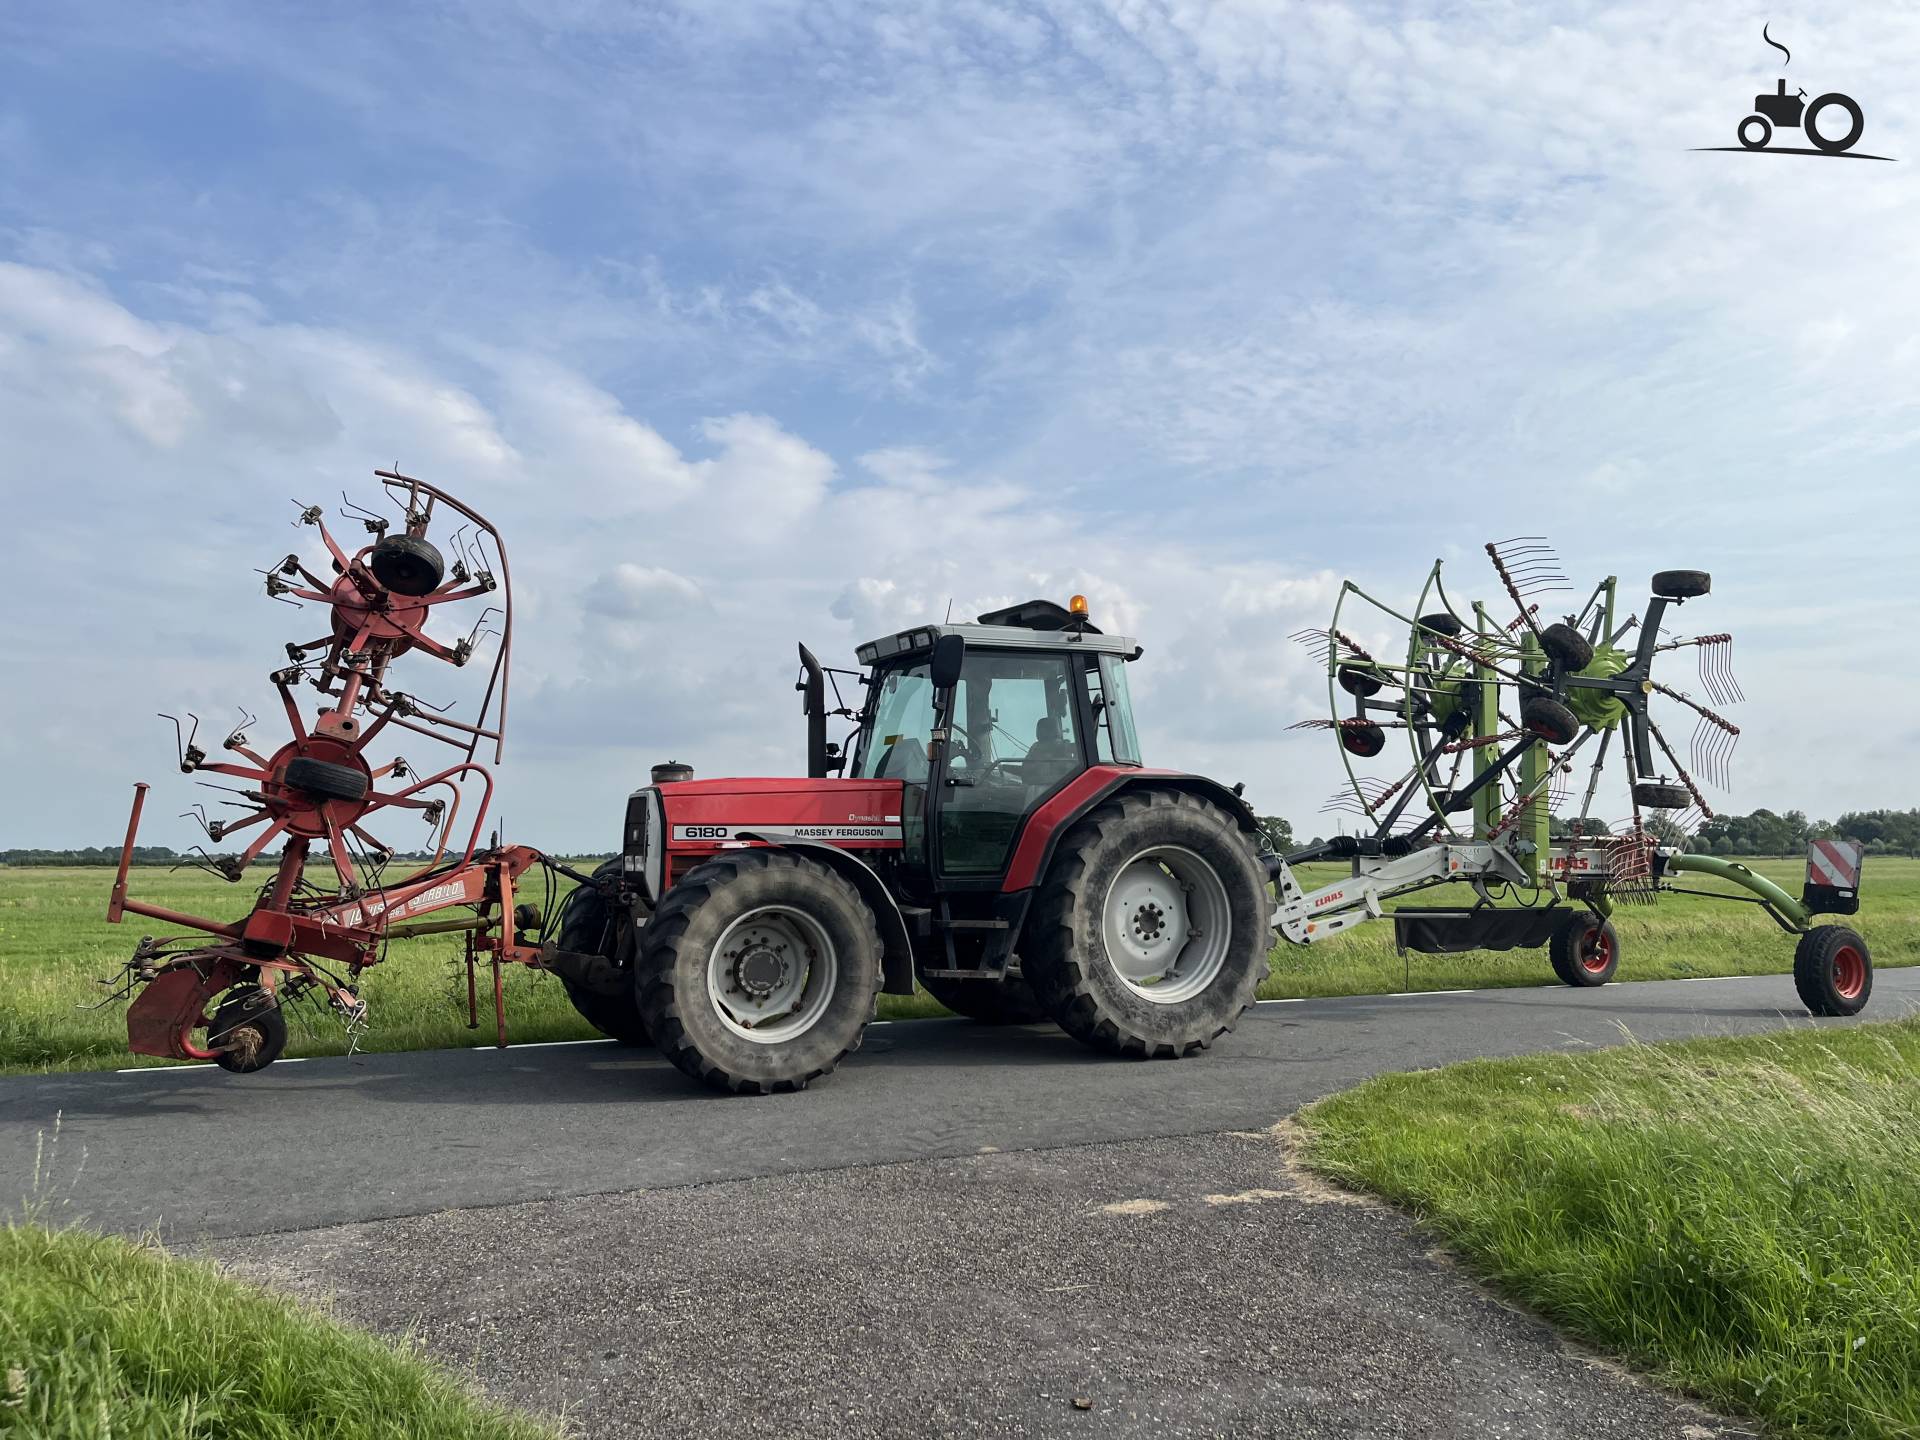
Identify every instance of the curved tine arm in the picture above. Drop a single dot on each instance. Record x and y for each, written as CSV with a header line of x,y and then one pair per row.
x,y
261,841
239,772
298,726
445,777
440,597
333,546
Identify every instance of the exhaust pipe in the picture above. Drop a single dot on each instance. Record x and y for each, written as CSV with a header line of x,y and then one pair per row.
x,y
813,685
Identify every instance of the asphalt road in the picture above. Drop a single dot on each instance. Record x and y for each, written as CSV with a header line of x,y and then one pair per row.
x,y
199,1153
1191,1287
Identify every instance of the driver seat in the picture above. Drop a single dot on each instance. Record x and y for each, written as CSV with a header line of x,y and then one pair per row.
x,y
1050,757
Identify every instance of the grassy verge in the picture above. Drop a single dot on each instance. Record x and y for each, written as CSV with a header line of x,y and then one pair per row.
x,y
1739,1217
54,942
102,1338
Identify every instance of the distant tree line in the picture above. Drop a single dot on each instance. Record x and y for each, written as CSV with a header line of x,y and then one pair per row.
x,y
163,855
1764,832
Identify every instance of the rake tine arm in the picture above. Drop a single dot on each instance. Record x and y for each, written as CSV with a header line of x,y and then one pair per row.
x,y
342,860
264,839
239,772
1680,770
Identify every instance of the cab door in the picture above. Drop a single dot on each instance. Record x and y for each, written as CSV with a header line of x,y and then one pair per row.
x,y
1014,736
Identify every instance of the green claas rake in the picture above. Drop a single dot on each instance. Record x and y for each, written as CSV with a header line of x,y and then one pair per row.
x,y
1502,718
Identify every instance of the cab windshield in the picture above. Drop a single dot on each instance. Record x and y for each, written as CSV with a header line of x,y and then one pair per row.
x,y
895,742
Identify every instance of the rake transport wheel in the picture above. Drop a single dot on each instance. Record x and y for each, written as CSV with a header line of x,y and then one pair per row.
x,y
590,925
1682,584
1833,970
992,1002
326,780
247,1030
1567,646
1651,795
1585,950
758,972
407,564
1151,929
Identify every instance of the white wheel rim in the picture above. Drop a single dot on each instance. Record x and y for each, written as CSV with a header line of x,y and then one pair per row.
x,y
772,975
1166,925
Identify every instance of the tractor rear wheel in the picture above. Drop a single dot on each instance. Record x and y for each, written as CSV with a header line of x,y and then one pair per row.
x,y
758,972
1833,970
591,925
1585,950
247,1030
992,1002
1150,933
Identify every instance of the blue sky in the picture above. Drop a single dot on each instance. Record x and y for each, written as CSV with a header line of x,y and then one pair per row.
x,y
764,322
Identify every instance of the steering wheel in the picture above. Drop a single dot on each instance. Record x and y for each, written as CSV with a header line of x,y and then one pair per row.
x,y
998,772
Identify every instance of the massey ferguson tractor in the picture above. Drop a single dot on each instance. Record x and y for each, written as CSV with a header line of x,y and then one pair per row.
x,y
988,829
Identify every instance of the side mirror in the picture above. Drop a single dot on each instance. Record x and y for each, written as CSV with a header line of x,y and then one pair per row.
x,y
949,654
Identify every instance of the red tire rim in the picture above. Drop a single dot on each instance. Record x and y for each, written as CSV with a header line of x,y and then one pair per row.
x,y
1596,951
1849,972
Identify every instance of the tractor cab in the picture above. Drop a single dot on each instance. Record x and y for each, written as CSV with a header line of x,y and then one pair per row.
x,y
983,722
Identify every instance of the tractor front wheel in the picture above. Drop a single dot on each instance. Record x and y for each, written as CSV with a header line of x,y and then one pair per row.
x,y
1833,970
1151,931
758,972
591,925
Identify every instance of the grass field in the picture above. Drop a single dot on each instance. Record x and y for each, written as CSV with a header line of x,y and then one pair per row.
x,y
54,943
1737,1217
104,1339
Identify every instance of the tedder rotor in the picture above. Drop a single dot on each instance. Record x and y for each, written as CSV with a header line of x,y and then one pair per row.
x,y
330,905
1492,710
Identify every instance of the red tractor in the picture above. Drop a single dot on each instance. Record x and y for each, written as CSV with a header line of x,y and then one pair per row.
x,y
989,828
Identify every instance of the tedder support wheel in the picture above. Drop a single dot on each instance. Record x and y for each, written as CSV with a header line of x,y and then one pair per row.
x,y
590,925
1833,970
247,1030
758,972
992,1002
1585,950
1150,932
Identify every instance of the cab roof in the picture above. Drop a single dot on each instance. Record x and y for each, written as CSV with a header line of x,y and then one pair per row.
x,y
1030,625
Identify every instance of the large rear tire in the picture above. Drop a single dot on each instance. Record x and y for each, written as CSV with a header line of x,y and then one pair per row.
x,y
590,924
992,1002
758,972
1150,933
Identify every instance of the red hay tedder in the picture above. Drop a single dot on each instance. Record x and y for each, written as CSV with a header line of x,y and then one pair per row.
x,y
320,788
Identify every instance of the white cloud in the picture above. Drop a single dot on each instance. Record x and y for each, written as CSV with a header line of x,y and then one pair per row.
x,y
764,322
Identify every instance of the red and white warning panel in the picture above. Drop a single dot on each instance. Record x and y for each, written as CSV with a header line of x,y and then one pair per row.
x,y
1833,876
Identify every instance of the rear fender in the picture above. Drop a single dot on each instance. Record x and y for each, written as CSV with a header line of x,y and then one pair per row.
x,y
896,950
1033,854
